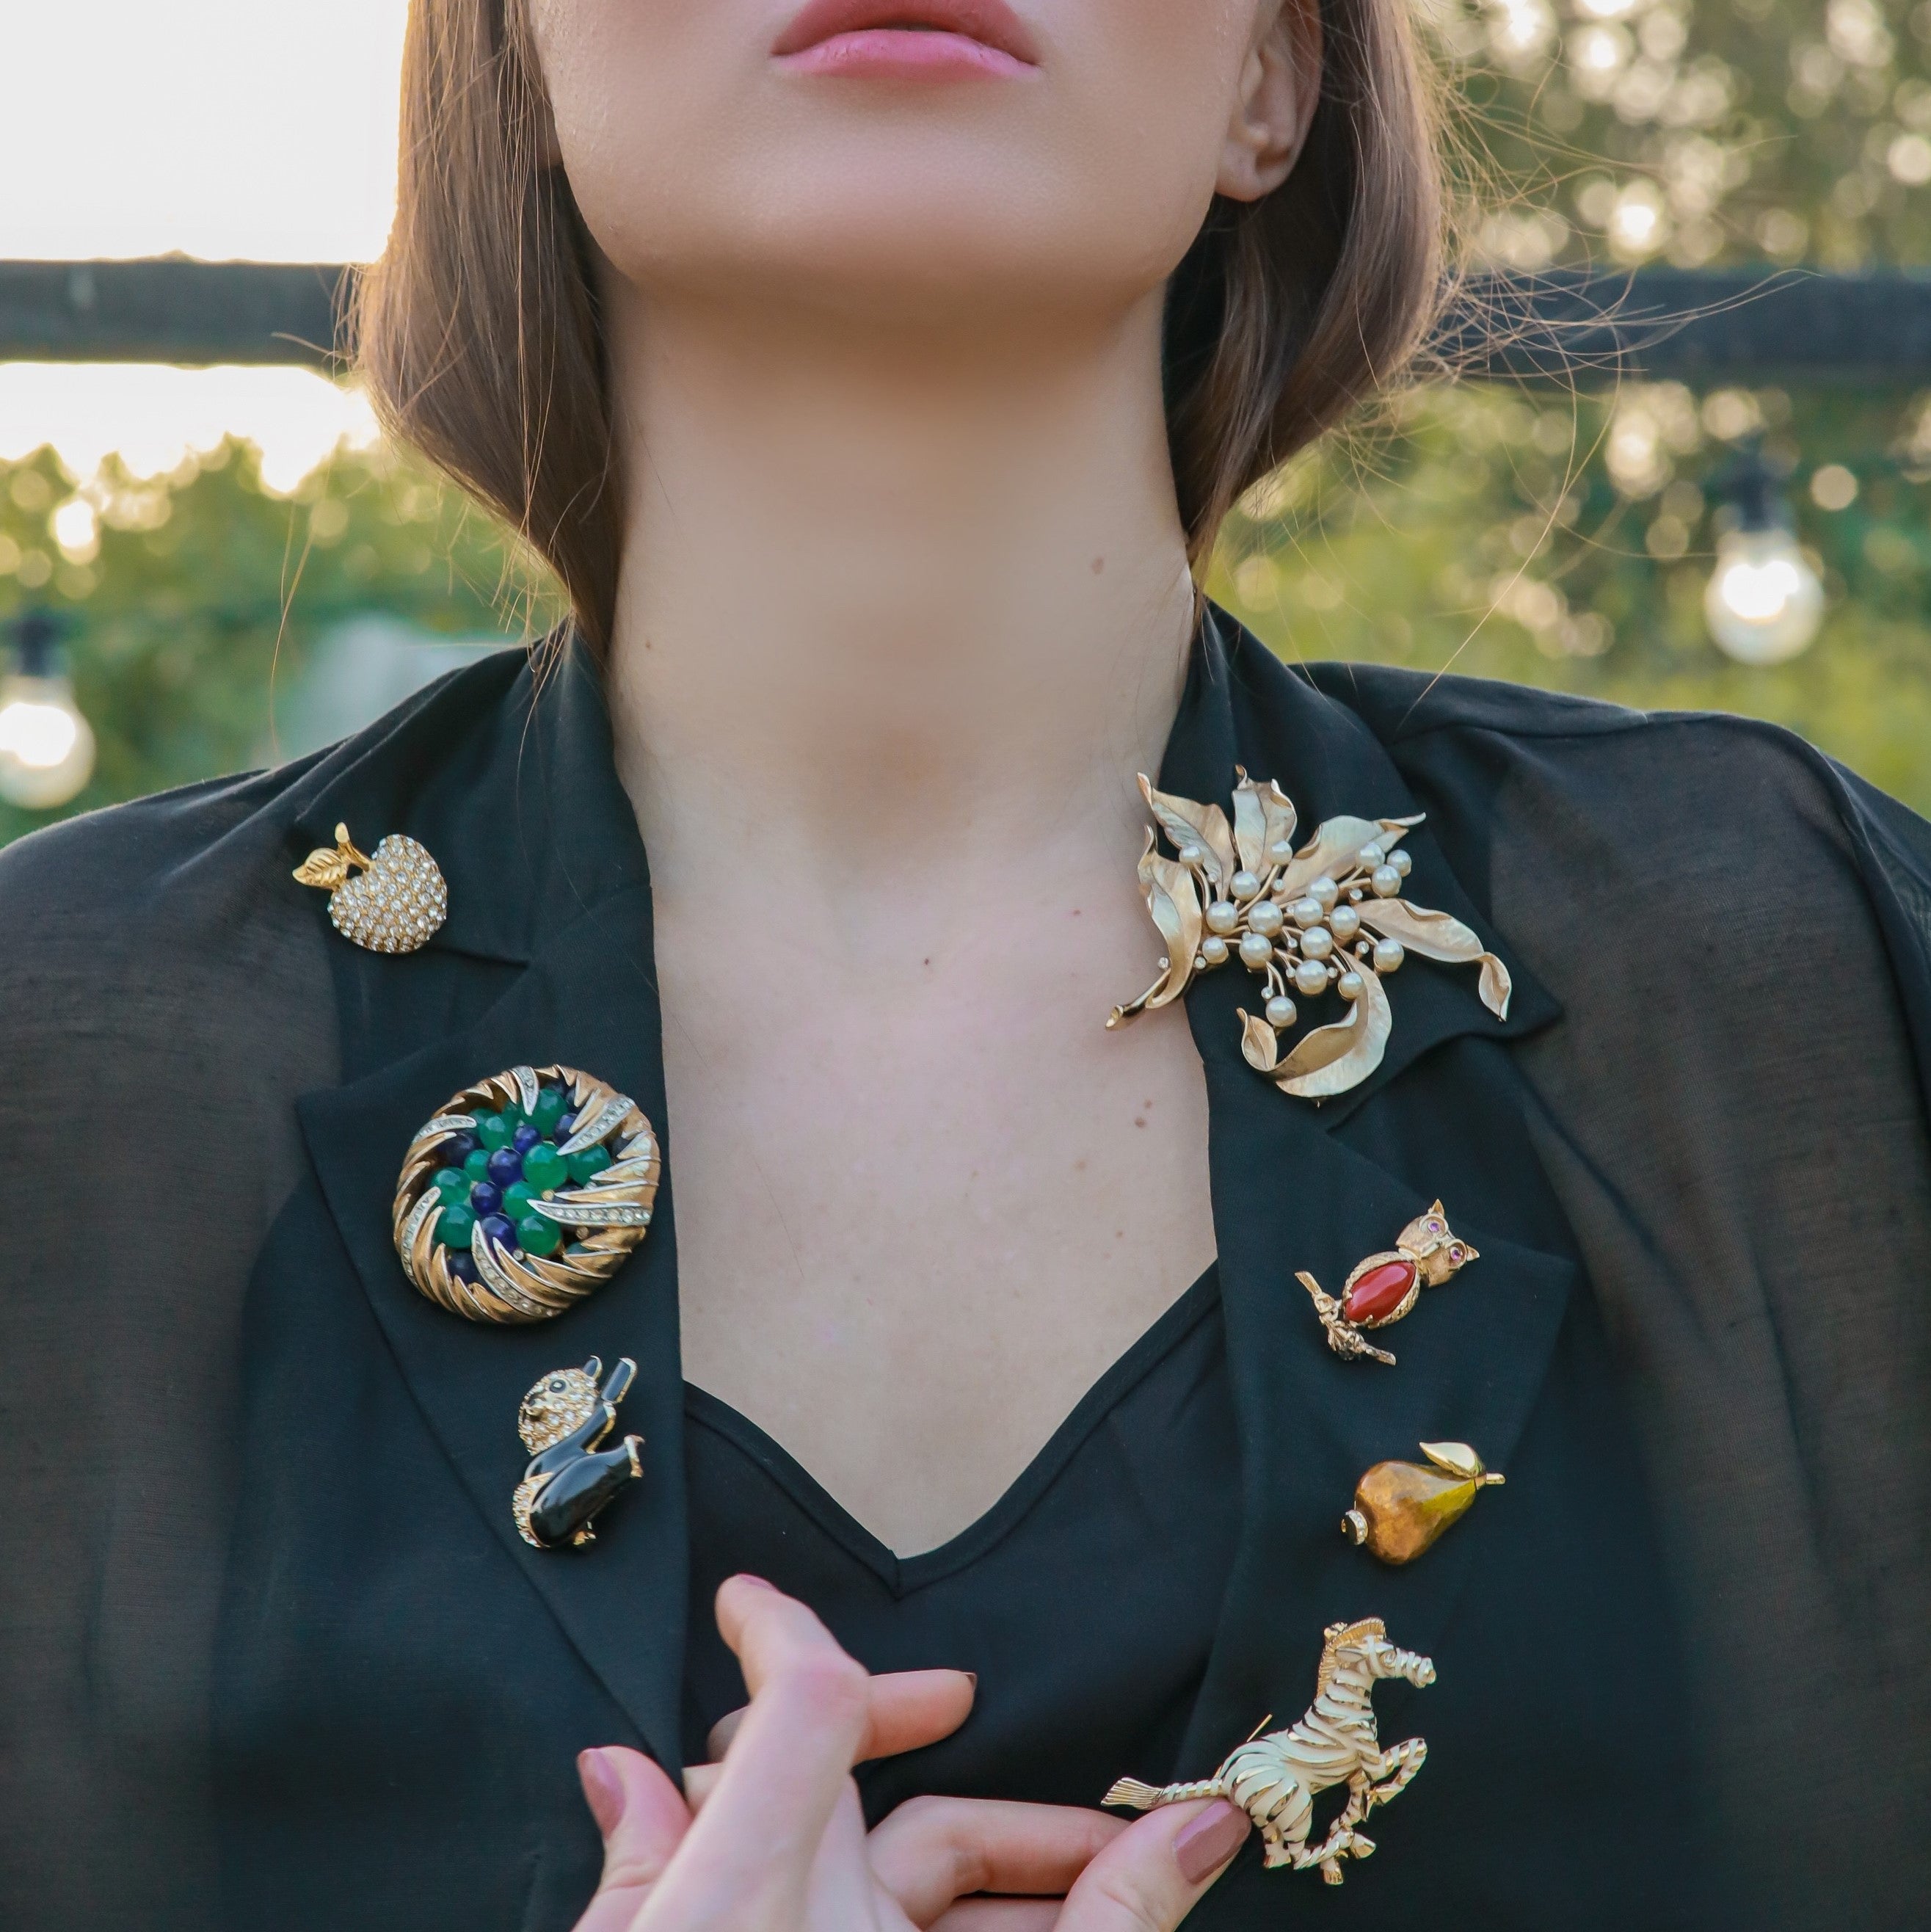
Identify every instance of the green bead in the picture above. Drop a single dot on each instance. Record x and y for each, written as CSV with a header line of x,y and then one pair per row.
x,y
537,1235
548,1112
585,1166
494,1130
543,1168
453,1184
516,1198
476,1166
455,1228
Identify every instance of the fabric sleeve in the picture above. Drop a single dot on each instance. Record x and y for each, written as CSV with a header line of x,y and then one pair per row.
x,y
162,998
1733,1112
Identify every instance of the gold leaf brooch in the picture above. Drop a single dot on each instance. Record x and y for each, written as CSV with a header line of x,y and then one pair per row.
x,y
1326,918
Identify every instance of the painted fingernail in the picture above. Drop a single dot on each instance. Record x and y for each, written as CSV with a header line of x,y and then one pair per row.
x,y
972,1677
603,1790
1210,1841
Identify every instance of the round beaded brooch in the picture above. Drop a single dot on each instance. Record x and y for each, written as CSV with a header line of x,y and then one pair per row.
x,y
525,1193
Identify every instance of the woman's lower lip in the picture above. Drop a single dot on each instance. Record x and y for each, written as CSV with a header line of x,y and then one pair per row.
x,y
894,53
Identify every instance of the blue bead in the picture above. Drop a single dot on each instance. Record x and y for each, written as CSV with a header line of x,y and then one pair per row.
x,y
501,1229
462,1268
486,1198
505,1167
457,1147
566,1125
525,1137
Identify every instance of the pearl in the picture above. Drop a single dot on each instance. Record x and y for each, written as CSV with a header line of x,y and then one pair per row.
x,y
1305,912
1371,856
1256,949
1344,922
1387,882
1317,944
1349,985
1214,952
1281,850
1244,885
1191,855
1223,916
1281,1013
1310,978
1388,956
1323,892
1402,860
1265,918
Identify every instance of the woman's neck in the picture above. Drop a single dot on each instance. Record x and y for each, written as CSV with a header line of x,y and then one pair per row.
x,y
886,601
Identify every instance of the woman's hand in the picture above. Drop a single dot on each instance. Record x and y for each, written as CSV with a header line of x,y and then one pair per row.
x,y
773,1840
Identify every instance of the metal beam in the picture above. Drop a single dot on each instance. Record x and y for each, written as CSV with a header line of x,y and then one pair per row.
x,y
1700,326
168,310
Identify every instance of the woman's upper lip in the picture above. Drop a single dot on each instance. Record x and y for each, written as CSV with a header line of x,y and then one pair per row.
x,y
991,22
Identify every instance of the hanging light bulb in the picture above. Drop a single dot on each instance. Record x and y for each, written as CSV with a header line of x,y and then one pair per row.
x,y
46,746
1764,603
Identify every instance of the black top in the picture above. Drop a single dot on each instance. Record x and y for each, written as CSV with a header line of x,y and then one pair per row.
x,y
270,1643
1085,1598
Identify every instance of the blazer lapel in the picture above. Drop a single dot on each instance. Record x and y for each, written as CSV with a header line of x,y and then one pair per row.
x,y
547,958
1290,1194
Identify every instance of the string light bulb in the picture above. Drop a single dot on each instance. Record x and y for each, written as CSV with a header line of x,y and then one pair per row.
x,y
1764,603
47,745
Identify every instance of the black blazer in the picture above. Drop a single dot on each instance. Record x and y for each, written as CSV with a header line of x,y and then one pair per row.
x,y
279,1652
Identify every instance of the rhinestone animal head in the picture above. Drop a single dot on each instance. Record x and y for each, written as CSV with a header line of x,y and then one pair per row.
x,y
559,1405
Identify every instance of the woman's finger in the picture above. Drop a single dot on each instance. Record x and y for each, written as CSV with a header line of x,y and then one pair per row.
x,y
934,1851
785,1770
910,1709
643,1821
1157,1871
999,1914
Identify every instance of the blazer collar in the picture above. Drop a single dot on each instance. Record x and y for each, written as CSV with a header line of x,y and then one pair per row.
x,y
508,778
504,772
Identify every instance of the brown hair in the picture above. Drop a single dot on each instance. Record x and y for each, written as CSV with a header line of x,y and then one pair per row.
x,y
478,332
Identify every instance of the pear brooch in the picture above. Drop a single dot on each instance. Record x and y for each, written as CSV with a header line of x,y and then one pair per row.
x,y
524,1194
562,1421
1275,1779
1401,1509
395,902
1328,918
1382,1289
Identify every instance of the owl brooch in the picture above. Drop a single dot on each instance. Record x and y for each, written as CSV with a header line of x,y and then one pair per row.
x,y
1325,919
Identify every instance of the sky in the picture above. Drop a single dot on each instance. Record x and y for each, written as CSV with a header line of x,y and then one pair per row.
x,y
228,130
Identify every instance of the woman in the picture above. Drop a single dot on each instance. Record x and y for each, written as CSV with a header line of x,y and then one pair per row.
x,y
872,375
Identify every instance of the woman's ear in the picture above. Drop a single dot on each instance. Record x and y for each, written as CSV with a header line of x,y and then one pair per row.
x,y
1280,87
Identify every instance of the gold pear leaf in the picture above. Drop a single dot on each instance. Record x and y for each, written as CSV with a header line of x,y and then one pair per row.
x,y
1333,852
1334,1058
1259,1045
1263,817
1187,824
1440,937
1457,1458
325,868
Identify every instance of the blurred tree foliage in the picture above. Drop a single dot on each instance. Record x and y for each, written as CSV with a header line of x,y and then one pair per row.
x,y
1523,533
191,600
1566,541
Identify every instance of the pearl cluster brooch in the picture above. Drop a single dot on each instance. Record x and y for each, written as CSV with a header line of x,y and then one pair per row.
x,y
1328,918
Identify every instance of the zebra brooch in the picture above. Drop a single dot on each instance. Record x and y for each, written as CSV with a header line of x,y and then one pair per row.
x,y
1275,1779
